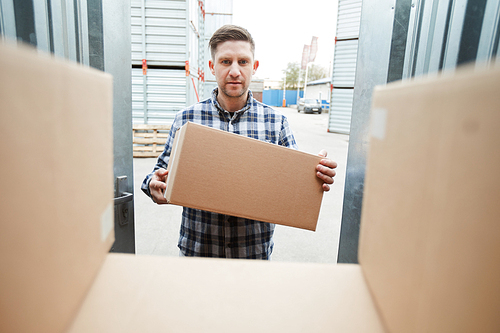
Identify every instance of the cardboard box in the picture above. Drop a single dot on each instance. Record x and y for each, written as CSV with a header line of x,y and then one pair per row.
x,y
56,176
226,173
162,294
430,233
430,238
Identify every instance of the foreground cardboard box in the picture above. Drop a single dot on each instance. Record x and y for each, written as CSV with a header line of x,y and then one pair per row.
x,y
226,173
429,247
56,176
430,236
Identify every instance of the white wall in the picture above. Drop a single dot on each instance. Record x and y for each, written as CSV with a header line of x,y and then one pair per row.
x,y
319,91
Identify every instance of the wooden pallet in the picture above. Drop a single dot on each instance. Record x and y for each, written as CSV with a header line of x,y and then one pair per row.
x,y
149,140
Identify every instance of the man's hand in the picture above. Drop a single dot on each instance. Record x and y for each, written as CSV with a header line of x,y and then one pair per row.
x,y
157,186
325,170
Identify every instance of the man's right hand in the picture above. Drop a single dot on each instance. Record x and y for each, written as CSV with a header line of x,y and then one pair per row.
x,y
157,186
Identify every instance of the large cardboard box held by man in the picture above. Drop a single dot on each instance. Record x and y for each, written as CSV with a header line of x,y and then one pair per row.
x,y
430,237
226,173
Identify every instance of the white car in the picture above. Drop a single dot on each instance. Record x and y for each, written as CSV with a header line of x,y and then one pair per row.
x,y
309,105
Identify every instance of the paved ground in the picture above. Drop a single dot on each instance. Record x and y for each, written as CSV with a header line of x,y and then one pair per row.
x,y
157,227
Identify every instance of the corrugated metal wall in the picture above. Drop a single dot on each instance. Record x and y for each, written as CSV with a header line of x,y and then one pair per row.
x,y
168,33
163,91
160,37
344,66
274,97
218,14
341,109
403,39
159,32
56,26
431,40
445,34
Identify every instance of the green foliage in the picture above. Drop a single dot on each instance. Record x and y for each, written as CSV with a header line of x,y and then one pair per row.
x,y
292,70
316,72
292,75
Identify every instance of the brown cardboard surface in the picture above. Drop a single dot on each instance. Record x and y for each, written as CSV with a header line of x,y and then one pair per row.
x,y
430,231
57,187
231,174
429,247
56,216
161,294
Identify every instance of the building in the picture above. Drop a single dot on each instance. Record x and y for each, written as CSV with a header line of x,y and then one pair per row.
x,y
273,84
319,89
257,86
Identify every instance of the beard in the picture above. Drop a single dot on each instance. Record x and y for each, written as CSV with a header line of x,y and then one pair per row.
x,y
234,93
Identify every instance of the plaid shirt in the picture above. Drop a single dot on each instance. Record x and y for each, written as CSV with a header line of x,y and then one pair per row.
x,y
207,234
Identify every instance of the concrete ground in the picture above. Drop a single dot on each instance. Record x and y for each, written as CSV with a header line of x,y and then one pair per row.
x,y
157,227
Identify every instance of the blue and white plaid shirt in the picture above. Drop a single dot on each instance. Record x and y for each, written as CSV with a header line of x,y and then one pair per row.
x,y
207,234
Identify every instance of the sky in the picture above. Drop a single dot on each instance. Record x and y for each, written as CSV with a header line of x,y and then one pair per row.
x,y
281,28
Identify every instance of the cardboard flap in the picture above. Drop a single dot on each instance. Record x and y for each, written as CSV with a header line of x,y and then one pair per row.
x,y
430,231
160,294
56,212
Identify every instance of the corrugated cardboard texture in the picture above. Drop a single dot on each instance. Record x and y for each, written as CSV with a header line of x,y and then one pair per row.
x,y
430,231
231,174
160,294
56,184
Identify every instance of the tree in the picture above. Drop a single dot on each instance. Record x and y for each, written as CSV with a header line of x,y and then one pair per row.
x,y
292,75
292,70
316,72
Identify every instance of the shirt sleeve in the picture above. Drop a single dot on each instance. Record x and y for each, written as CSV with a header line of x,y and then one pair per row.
x,y
286,135
163,159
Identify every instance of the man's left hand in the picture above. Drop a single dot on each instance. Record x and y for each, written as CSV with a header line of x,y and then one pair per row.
x,y
325,170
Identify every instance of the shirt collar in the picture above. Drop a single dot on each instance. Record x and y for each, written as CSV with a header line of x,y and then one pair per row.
x,y
247,106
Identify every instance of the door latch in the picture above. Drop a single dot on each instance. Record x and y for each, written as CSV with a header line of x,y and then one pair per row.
x,y
122,197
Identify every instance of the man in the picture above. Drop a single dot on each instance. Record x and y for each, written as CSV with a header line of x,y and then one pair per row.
x,y
231,108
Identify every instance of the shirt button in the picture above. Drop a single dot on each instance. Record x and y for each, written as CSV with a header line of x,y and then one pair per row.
x,y
229,245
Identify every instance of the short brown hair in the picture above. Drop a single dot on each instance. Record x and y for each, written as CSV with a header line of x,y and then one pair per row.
x,y
229,32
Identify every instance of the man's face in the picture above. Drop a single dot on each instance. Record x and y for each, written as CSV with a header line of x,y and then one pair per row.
x,y
233,68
